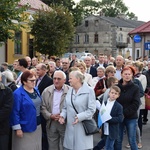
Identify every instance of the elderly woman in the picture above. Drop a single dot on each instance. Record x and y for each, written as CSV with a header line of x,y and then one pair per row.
x,y
101,85
88,77
100,75
130,100
83,98
25,117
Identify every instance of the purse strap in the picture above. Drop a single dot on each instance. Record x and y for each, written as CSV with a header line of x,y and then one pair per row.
x,y
72,102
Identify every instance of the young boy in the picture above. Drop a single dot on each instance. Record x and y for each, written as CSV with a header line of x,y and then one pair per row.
x,y
110,128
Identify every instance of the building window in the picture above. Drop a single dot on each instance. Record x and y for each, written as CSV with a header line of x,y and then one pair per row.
x,y
77,40
96,22
95,38
86,38
128,40
86,23
120,38
18,39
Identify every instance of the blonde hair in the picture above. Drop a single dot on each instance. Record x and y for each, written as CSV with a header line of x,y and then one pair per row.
x,y
139,65
82,64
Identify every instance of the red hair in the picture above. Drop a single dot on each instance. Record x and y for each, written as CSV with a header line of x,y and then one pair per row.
x,y
128,68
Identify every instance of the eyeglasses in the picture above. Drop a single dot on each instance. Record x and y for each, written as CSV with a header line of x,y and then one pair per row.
x,y
64,63
31,80
57,79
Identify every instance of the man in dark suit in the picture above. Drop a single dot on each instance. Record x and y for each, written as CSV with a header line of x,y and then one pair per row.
x,y
90,69
43,81
101,61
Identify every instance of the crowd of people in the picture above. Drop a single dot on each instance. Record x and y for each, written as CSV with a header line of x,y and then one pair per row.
x,y
37,100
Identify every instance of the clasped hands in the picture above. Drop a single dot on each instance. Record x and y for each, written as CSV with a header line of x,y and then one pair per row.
x,y
62,120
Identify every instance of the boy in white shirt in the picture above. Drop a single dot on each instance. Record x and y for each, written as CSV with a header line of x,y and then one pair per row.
x,y
110,128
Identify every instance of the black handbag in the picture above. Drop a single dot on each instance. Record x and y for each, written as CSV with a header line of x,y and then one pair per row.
x,y
90,126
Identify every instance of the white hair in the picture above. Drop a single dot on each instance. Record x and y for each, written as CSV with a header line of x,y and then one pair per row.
x,y
60,71
52,63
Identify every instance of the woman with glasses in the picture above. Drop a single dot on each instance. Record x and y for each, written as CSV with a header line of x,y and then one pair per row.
x,y
25,116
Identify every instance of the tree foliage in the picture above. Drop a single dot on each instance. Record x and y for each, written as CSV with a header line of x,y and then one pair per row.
x,y
89,7
75,9
10,12
111,8
53,30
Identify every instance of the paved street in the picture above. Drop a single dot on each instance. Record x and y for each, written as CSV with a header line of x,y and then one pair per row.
x,y
145,137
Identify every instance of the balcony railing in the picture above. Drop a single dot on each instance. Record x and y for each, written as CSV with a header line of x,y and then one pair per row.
x,y
121,44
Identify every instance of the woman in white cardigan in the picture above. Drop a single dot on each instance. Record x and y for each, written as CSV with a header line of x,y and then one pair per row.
x,y
142,78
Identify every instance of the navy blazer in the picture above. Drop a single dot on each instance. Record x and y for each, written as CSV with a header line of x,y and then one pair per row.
x,y
117,117
45,82
97,65
23,115
93,71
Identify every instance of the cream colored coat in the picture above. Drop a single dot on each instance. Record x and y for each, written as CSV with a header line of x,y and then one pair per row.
x,y
47,101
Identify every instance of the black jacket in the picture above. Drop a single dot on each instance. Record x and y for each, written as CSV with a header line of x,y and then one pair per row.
x,y
147,74
45,82
93,71
130,99
6,102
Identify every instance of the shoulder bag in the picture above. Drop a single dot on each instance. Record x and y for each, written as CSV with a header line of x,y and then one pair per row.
x,y
90,126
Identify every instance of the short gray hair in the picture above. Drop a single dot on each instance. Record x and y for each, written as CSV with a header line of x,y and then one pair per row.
x,y
60,71
101,68
79,75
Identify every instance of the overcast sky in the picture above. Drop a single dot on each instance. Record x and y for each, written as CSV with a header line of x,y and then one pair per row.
x,y
139,7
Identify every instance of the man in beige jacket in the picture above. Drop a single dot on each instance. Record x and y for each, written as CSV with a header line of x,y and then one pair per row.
x,y
52,103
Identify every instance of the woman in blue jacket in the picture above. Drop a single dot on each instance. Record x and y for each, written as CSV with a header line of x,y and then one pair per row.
x,y
25,117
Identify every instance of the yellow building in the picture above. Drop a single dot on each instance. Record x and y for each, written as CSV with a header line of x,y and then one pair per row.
x,y
16,50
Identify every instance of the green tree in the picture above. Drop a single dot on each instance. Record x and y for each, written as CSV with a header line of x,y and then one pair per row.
x,y
10,13
75,9
53,30
89,7
113,8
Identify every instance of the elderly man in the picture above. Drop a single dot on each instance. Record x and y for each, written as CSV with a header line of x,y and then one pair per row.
x,y
43,80
28,59
119,66
90,69
52,103
52,68
65,68
6,102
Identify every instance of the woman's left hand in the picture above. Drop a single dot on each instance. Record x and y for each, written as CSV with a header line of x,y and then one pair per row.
x,y
76,120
